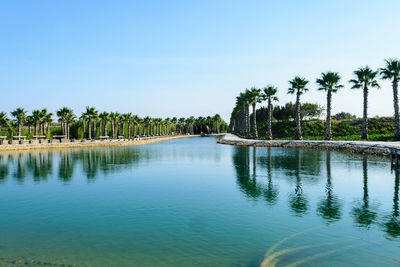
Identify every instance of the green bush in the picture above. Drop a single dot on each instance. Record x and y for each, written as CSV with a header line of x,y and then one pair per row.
x,y
315,129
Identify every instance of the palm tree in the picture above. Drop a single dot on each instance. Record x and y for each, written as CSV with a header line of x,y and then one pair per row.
x,y
181,122
217,119
392,72
114,118
36,116
104,118
65,116
29,122
365,78
139,122
298,87
255,96
329,82
20,115
45,120
174,121
69,118
3,119
135,122
270,95
146,125
90,114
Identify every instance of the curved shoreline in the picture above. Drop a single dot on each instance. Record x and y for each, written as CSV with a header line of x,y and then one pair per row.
x,y
90,143
383,149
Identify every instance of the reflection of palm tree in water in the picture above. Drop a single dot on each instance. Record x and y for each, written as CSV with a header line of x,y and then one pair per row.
x,y
241,161
329,208
364,213
3,169
392,223
41,165
66,167
20,172
270,192
298,201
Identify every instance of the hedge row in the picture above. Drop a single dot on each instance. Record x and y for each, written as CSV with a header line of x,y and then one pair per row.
x,y
282,129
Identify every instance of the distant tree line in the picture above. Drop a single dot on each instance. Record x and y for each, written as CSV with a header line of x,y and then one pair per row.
x,y
92,124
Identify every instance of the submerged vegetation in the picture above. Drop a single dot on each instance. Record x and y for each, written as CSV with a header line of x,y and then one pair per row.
x,y
330,82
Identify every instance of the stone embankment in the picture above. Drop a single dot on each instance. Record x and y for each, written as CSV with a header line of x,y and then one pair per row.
x,y
90,143
364,147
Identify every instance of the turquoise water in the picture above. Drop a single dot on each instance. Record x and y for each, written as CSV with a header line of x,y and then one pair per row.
x,y
192,202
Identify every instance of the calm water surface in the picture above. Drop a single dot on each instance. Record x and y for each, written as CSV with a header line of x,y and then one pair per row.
x,y
192,202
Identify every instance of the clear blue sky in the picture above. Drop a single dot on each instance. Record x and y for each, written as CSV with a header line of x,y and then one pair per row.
x,y
182,58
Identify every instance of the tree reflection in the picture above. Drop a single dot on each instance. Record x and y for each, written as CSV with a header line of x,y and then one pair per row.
x,y
66,166
20,172
41,164
3,169
298,200
363,212
271,192
329,208
241,160
392,222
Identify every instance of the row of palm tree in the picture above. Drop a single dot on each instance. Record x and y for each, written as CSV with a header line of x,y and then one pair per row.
x,y
330,82
124,125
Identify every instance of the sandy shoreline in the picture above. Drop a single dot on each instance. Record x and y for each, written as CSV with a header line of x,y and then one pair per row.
x,y
90,143
364,147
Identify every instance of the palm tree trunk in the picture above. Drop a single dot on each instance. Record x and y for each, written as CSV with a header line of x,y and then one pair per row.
x,y
113,129
94,129
255,121
396,109
269,119
247,117
298,120
328,133
105,128
67,128
89,129
36,129
364,130
129,130
19,128
84,128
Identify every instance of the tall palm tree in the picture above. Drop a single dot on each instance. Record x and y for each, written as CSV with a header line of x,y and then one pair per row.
x,y
91,115
255,96
65,114
113,118
174,121
69,118
135,122
392,72
3,119
329,82
36,116
298,86
20,115
217,119
146,125
104,117
365,78
181,122
129,120
29,122
45,120
270,95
